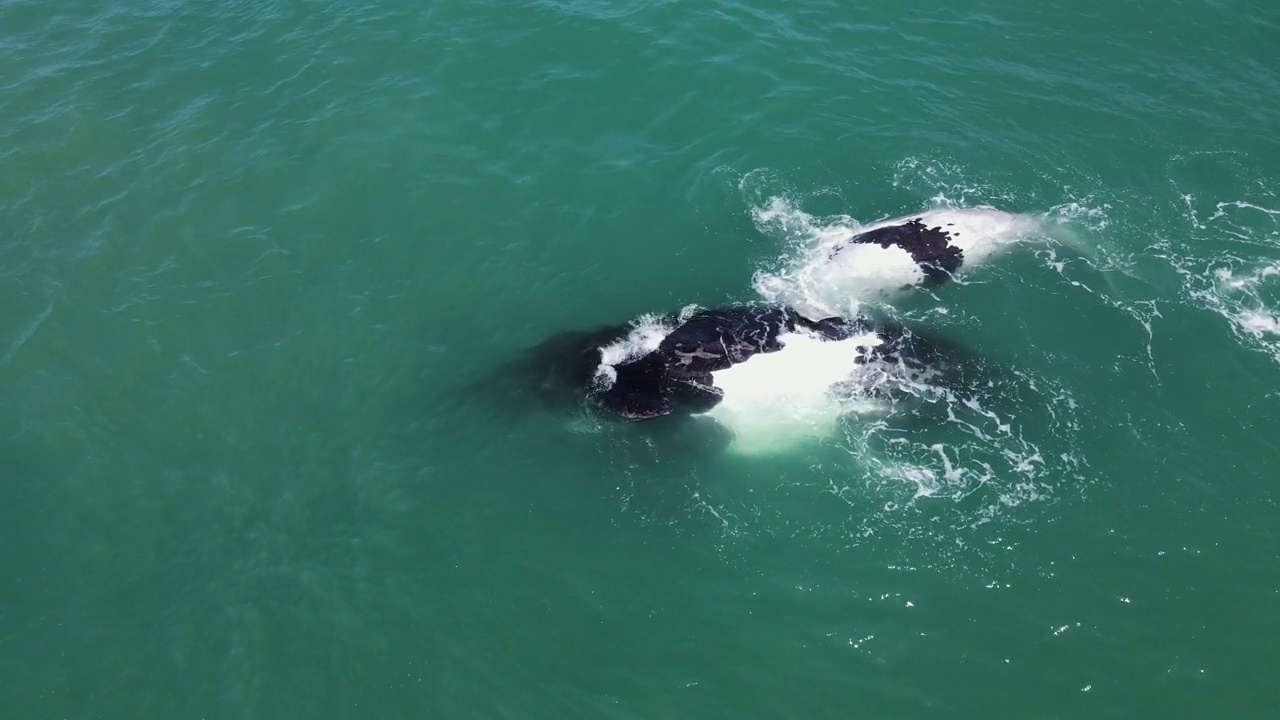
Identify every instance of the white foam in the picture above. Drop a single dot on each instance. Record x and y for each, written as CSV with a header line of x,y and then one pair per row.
x,y
1259,323
1239,279
1245,299
647,333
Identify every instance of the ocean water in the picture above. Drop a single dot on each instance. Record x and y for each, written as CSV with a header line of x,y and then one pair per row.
x,y
268,272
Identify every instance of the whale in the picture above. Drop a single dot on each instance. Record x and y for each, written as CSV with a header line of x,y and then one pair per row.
x,y
678,363
881,261
925,248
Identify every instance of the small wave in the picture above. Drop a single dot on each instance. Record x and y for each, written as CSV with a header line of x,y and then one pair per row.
x,y
647,333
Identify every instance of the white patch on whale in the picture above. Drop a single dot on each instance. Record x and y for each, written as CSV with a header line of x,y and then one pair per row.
x,y
978,232
772,400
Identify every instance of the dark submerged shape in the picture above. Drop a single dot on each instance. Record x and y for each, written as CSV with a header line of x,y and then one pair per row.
x,y
930,248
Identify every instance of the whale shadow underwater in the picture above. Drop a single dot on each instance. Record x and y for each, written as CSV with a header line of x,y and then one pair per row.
x,y
678,365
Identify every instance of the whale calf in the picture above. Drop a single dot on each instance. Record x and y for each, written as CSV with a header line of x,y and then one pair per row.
x,y
925,248
880,260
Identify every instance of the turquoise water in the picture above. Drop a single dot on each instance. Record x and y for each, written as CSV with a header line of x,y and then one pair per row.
x,y
268,269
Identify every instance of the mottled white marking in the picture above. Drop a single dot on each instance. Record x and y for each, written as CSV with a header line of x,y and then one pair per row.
x,y
774,399
867,264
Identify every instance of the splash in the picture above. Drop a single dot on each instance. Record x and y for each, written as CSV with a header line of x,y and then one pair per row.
x,y
1239,215
647,333
1248,298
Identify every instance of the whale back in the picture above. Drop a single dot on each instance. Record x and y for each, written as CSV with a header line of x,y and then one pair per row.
x,y
917,250
678,373
930,248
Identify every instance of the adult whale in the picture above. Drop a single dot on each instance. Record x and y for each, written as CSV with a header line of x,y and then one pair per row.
x,y
669,364
638,378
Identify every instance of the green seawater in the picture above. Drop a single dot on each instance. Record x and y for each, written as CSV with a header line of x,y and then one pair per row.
x,y
266,270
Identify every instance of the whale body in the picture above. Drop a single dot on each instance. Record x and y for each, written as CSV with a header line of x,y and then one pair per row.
x,y
669,364
880,260
679,371
923,249
679,364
